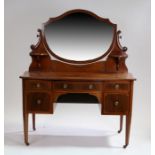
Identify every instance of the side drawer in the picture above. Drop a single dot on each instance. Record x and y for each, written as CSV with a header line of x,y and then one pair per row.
x,y
115,103
37,85
38,102
117,86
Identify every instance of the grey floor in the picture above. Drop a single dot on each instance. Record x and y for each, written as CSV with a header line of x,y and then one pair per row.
x,y
76,129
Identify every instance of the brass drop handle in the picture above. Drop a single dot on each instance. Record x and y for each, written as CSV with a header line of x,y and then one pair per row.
x,y
116,103
90,86
38,101
117,86
38,85
65,86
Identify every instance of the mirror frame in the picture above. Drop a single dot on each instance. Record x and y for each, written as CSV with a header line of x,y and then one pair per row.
x,y
106,20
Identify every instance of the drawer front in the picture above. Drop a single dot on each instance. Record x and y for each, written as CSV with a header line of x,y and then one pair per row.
x,y
37,85
77,86
116,103
117,86
38,102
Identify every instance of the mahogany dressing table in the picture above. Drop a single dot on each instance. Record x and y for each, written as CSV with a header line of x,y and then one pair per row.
x,y
78,52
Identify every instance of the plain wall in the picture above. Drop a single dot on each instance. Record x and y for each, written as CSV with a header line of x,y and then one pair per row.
x,y
24,17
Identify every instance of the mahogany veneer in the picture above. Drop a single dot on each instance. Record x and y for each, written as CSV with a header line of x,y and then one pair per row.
x,y
49,78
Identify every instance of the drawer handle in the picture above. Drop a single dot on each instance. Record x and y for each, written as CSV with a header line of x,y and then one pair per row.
x,y
117,86
38,85
116,103
38,101
65,86
91,86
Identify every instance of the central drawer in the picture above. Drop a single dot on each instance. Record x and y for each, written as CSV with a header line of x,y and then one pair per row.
x,y
77,86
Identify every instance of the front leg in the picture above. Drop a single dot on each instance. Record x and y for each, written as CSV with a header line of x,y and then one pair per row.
x,y
128,126
26,128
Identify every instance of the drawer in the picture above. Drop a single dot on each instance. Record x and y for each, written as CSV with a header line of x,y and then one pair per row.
x,y
38,102
82,86
116,103
116,86
37,85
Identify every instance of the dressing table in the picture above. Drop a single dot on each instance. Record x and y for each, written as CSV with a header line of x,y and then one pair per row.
x,y
78,52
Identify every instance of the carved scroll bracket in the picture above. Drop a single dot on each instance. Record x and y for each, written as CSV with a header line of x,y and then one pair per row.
x,y
124,48
39,55
39,48
117,56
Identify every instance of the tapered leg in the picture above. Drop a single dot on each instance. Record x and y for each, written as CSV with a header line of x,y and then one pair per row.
x,y
33,121
26,128
128,126
121,124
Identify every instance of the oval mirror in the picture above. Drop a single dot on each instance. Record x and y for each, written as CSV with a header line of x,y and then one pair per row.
x,y
79,36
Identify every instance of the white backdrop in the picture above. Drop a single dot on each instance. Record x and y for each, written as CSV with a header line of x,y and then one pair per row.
x,y
24,17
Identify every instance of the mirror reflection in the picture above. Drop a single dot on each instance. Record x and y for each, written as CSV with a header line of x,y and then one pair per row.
x,y
79,37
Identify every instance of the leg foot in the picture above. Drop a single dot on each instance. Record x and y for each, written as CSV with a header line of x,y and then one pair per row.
x,y
34,129
27,143
125,146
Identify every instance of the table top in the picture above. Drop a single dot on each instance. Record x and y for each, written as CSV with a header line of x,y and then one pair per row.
x,y
76,76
